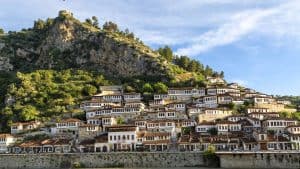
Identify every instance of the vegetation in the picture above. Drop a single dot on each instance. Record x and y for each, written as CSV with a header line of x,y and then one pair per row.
x,y
213,131
186,130
57,84
210,156
38,137
42,94
166,52
1,31
295,115
295,100
120,120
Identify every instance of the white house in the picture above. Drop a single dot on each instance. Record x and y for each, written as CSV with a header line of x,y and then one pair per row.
x,y
294,134
257,110
154,141
263,100
225,99
181,106
5,141
215,80
262,116
132,97
228,126
207,101
212,114
235,118
204,127
122,137
66,127
21,127
278,124
185,93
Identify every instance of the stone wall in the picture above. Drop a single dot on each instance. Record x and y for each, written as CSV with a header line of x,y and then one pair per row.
x,y
279,160
98,160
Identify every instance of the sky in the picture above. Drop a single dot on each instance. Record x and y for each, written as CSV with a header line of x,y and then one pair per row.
x,y
255,42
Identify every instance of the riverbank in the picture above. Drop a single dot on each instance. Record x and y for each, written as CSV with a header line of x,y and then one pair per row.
x,y
260,160
105,160
232,160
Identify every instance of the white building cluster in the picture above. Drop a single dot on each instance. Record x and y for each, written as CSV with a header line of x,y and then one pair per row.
x,y
183,119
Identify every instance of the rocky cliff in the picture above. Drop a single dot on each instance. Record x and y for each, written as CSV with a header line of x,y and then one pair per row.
x,y
65,42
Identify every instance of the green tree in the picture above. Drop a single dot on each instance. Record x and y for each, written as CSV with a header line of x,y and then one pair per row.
x,y
110,26
29,113
120,120
222,74
186,130
147,88
208,71
160,87
89,90
213,131
6,117
210,150
1,31
89,21
39,24
95,22
128,88
183,62
166,52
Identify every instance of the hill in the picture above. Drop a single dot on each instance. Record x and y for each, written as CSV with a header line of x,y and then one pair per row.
x,y
48,69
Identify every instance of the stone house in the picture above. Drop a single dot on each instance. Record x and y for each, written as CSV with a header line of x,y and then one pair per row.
x,y
22,127
122,137
6,140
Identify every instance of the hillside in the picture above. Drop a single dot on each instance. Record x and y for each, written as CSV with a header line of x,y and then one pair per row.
x,y
48,69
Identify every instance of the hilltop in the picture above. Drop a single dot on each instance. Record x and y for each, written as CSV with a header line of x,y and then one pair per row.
x,y
48,69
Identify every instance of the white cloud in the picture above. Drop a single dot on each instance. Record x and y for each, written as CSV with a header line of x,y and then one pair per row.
x,y
277,22
196,26
240,25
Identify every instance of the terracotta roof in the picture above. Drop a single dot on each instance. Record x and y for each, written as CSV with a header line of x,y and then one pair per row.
x,y
5,135
279,118
88,125
121,128
87,142
184,139
248,140
30,144
140,134
157,142
23,123
182,88
156,134
69,120
277,138
263,113
132,93
102,138
293,126
206,123
226,122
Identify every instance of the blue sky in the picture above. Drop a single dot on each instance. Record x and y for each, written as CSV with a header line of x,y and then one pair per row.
x,y
256,42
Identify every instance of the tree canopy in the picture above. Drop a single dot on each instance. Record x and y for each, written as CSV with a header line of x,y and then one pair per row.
x,y
110,26
166,52
1,31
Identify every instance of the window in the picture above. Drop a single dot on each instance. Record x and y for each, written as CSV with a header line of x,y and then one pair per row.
x,y
132,137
